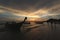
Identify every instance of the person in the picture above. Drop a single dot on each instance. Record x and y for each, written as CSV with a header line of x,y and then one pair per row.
x,y
6,25
19,25
15,27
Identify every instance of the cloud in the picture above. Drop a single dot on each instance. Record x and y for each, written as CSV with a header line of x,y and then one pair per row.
x,y
28,5
31,8
8,16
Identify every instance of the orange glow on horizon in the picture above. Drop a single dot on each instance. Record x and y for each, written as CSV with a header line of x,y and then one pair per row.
x,y
33,16
32,20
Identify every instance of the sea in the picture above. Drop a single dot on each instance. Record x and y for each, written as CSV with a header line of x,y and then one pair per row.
x,y
32,31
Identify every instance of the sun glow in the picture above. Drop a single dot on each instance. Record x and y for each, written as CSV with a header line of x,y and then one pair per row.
x,y
41,13
32,19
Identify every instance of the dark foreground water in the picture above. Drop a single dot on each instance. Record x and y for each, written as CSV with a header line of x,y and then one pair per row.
x,y
32,32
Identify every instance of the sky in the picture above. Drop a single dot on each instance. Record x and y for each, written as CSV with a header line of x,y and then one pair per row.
x,y
15,10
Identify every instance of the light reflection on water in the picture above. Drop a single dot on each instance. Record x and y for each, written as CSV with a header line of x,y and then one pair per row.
x,y
31,26
36,32
34,26
42,32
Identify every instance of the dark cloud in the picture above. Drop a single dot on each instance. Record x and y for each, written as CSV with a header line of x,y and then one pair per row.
x,y
26,4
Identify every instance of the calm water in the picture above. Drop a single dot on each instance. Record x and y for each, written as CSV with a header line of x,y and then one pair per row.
x,y
32,32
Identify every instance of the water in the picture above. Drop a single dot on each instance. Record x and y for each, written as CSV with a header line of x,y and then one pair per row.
x,y
33,32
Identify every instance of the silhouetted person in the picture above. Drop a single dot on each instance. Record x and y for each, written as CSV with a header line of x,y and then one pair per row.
x,y
58,21
20,24
48,21
6,25
55,22
15,27
51,21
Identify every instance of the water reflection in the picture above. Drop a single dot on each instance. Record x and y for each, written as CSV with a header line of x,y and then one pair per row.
x,y
33,32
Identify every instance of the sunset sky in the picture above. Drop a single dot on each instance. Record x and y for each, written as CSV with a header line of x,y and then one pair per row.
x,y
33,9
